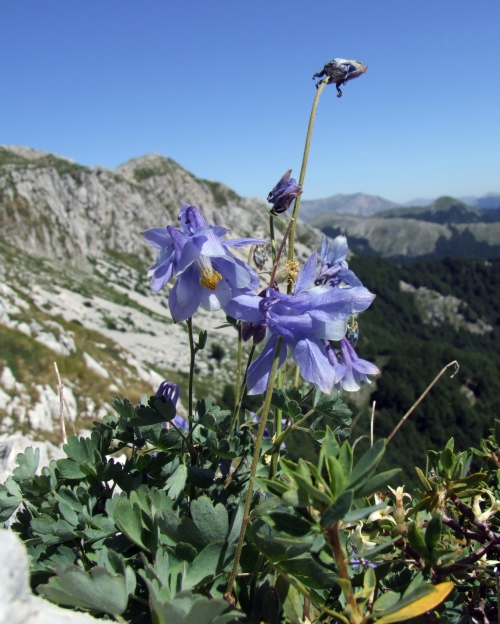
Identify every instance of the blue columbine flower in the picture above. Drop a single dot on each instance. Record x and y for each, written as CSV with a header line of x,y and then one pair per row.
x,y
352,370
170,391
206,271
284,193
303,320
334,269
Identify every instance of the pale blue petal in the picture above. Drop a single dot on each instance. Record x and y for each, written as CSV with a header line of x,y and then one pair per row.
x,y
189,253
232,271
179,312
310,356
260,369
157,237
187,284
241,242
308,274
216,299
161,276
245,308
209,243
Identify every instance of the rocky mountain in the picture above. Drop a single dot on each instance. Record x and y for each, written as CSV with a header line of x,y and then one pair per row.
x,y
448,227
355,204
74,289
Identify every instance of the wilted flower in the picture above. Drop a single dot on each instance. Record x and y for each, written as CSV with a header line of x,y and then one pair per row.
x,y
170,391
381,514
303,320
352,370
482,516
339,71
359,541
399,494
207,273
260,256
334,268
284,193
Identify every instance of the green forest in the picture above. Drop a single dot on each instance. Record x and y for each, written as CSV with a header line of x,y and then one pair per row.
x,y
411,352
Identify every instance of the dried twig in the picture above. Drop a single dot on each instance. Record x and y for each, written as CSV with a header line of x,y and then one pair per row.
x,y
422,397
61,404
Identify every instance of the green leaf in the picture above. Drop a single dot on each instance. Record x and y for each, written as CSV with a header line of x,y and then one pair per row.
x,y
212,522
357,514
309,572
98,590
345,459
81,450
176,482
336,475
338,510
133,523
330,446
417,542
368,463
213,560
288,523
274,547
271,486
433,532
446,458
146,416
296,498
426,484
377,482
188,608
28,463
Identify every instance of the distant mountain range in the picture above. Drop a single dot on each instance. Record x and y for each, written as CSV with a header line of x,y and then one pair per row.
x,y
448,227
365,205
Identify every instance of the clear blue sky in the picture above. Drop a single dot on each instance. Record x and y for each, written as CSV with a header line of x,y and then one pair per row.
x,y
224,88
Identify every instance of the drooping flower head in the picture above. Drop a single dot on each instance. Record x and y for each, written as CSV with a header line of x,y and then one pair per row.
x,y
303,320
339,71
206,271
170,391
334,268
350,370
284,193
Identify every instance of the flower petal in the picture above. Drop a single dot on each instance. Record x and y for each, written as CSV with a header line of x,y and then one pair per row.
x,y
260,369
157,237
180,312
241,242
245,308
232,271
308,273
310,355
216,299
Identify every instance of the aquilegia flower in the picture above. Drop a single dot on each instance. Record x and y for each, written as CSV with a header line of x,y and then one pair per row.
x,y
334,269
303,320
352,370
339,71
207,273
170,391
284,193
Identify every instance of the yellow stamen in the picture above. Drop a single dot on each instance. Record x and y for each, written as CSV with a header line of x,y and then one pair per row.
x,y
287,271
210,278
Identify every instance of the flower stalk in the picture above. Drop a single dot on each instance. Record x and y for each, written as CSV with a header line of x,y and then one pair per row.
x,y
253,472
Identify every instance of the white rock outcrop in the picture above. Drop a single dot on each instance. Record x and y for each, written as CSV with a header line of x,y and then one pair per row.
x,y
17,604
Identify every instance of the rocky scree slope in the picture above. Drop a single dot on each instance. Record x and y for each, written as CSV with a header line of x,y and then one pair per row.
x,y
73,288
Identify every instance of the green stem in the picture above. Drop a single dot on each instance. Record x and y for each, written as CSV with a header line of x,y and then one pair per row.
x,y
191,372
273,468
305,158
273,238
238,388
242,392
333,535
253,472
